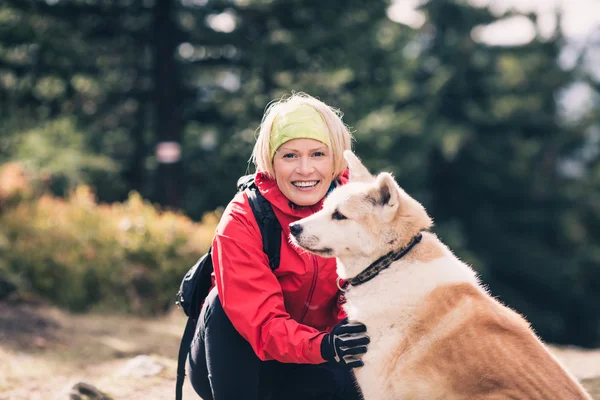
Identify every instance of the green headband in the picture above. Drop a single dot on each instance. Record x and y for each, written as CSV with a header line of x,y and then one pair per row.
x,y
300,122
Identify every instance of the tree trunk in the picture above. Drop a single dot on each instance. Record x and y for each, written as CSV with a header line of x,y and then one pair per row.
x,y
168,122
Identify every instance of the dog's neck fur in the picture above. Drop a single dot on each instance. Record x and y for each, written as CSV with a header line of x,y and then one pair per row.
x,y
359,263
350,266
398,288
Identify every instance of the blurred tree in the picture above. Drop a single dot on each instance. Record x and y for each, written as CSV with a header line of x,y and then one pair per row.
x,y
56,152
584,218
167,98
496,169
78,59
199,73
241,55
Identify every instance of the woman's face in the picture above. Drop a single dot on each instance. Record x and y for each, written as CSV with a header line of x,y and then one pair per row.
x,y
303,170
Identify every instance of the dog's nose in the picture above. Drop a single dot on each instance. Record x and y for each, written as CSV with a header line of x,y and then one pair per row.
x,y
295,229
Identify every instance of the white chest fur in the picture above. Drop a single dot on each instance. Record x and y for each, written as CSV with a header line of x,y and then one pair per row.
x,y
388,306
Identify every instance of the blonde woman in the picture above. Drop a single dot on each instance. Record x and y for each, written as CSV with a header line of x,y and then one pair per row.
x,y
280,334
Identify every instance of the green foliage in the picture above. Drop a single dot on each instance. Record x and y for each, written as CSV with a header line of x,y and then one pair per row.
x,y
57,152
496,167
79,254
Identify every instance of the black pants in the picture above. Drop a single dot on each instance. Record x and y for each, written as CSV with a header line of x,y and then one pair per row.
x,y
223,366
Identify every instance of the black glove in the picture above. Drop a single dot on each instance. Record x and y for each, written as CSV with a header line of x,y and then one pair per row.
x,y
346,344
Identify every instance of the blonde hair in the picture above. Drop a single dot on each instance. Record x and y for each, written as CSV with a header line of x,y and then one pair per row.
x,y
339,134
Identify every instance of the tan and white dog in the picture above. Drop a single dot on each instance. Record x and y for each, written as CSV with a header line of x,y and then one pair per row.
x,y
435,332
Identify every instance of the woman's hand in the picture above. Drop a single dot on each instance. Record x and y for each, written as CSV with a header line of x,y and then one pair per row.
x,y
346,344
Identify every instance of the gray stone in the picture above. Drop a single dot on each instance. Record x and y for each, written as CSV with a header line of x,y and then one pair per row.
x,y
141,366
86,391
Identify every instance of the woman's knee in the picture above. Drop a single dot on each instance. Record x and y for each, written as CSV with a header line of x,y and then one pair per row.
x,y
219,353
197,373
197,368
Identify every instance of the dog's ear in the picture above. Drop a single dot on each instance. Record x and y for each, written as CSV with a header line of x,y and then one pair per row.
x,y
358,172
388,195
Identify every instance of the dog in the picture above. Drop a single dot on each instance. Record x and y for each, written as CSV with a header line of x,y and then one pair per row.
x,y
436,332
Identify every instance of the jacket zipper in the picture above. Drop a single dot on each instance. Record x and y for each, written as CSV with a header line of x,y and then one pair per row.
x,y
313,285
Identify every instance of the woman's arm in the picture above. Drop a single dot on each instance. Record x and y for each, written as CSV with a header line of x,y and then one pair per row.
x,y
251,294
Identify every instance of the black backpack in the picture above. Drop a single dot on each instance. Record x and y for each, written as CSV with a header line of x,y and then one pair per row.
x,y
197,281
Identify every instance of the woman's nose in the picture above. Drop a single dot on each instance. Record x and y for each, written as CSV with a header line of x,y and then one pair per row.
x,y
305,167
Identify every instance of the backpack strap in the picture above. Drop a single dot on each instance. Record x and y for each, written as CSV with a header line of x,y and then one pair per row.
x,y
270,228
245,182
184,349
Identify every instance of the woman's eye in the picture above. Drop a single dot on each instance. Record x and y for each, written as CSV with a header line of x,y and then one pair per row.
x,y
288,155
319,154
338,216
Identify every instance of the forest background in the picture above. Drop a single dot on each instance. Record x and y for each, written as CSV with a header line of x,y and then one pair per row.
x,y
124,125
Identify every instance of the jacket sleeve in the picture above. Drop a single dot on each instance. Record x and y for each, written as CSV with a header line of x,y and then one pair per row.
x,y
251,295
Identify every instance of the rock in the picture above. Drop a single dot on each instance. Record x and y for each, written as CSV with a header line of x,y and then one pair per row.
x,y
85,391
141,366
7,287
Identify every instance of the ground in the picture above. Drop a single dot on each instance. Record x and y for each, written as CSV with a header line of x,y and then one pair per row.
x,y
45,351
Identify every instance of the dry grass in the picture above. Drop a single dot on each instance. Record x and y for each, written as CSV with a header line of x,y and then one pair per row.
x,y
593,386
584,364
44,351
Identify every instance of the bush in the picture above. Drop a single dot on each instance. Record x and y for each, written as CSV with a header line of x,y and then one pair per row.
x,y
59,158
79,254
14,184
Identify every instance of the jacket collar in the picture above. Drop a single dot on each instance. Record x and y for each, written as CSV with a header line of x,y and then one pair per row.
x,y
269,189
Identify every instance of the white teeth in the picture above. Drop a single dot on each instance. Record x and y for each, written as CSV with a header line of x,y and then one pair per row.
x,y
305,184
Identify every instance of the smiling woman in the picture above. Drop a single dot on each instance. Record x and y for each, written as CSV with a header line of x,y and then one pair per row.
x,y
290,317
303,170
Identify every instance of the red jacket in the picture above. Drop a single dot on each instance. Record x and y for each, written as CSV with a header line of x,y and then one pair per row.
x,y
283,314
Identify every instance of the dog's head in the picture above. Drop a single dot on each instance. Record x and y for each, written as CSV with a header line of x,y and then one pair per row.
x,y
362,220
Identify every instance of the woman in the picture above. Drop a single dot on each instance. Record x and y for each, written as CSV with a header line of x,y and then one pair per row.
x,y
280,334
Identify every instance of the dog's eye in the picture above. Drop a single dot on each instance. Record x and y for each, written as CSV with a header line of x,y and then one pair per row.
x,y
338,216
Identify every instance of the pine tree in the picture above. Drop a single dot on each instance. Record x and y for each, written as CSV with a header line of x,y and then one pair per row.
x,y
495,175
83,60
200,73
337,51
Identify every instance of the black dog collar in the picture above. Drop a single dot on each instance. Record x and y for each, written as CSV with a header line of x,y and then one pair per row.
x,y
380,264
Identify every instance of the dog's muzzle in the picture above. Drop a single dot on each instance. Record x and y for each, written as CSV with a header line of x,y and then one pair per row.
x,y
296,229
